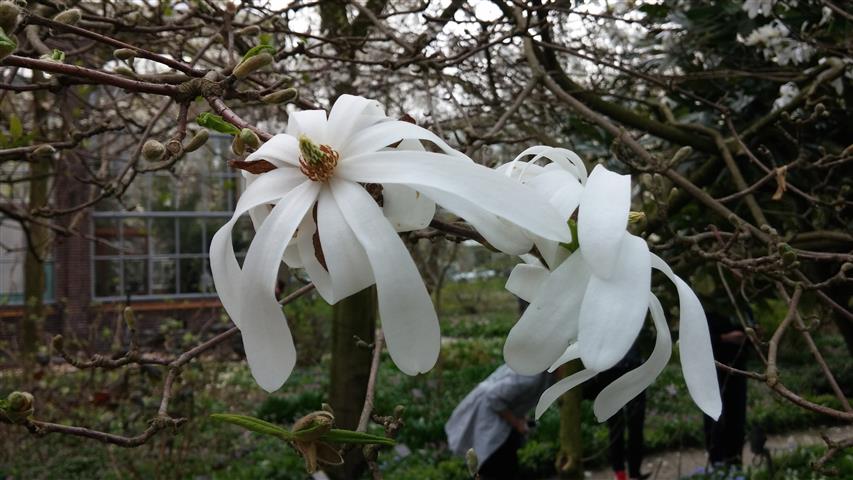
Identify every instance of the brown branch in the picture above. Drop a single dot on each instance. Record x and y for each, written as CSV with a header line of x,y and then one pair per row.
x,y
369,396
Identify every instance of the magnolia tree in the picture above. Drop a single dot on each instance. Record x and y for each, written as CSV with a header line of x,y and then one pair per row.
x,y
458,92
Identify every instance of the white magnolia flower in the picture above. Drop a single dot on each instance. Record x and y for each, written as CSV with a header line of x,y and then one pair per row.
x,y
319,192
591,304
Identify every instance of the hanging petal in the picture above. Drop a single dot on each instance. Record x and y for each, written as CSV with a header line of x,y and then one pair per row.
x,y
552,252
405,309
266,336
616,395
344,118
613,309
565,159
346,260
602,218
311,123
308,256
550,322
694,346
405,208
377,137
489,190
573,352
227,276
280,150
525,280
556,390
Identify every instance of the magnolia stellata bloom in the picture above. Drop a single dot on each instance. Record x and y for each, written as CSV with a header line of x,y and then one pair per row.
x,y
324,213
591,303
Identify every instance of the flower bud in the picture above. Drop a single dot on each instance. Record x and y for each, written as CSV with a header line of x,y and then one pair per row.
x,y
153,150
129,317
198,140
20,402
472,462
58,342
124,53
237,146
69,17
313,426
636,217
125,71
7,45
9,16
44,151
681,154
251,64
249,31
174,147
250,138
280,96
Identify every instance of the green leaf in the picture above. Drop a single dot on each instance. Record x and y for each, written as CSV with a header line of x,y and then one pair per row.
x,y
16,129
349,436
216,123
253,424
573,245
257,50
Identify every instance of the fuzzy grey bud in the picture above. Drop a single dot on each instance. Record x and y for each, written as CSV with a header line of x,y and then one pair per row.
x,y
237,146
152,150
58,342
250,138
249,31
69,17
43,151
9,16
280,96
129,317
124,53
198,140
125,71
251,64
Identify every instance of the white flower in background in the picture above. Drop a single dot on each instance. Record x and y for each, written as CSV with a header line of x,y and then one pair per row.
x,y
776,44
591,303
787,93
753,8
324,167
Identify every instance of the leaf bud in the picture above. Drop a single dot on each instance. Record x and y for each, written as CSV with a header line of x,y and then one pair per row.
x,y
9,16
7,45
129,317
152,150
44,151
198,140
249,31
251,64
237,146
69,17
681,154
125,71
20,402
124,53
58,342
250,138
174,147
280,96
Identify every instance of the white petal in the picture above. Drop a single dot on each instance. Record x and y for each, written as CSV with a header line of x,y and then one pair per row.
x,y
561,188
602,218
266,336
550,322
405,208
556,390
552,252
613,309
525,280
491,191
381,135
346,260
344,118
573,352
501,234
227,276
311,123
565,159
694,346
616,395
280,150
405,308
308,257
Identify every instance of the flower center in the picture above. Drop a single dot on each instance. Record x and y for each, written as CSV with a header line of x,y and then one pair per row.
x,y
317,162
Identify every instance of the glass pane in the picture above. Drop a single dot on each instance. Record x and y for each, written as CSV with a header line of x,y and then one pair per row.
x,y
162,192
163,276
107,278
106,231
162,235
135,231
191,235
194,277
135,277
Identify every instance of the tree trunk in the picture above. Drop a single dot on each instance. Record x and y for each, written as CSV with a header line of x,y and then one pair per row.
x,y
569,458
354,316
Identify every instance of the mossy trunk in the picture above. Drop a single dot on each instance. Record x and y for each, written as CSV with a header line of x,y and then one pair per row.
x,y
352,317
569,458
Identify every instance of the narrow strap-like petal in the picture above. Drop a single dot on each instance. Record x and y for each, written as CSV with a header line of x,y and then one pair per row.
x,y
266,336
616,395
567,160
602,218
694,346
280,150
405,308
308,256
346,260
491,191
550,322
385,134
525,280
406,208
613,309
344,118
571,353
556,390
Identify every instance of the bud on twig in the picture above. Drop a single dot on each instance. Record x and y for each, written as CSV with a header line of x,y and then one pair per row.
x,y
124,53
250,138
251,64
9,16
58,343
153,150
43,151
174,147
7,45
129,318
198,140
472,462
125,71
69,17
18,406
238,147
249,31
280,96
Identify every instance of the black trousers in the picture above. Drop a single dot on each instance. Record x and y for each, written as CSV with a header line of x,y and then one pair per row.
x,y
724,438
503,464
633,415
